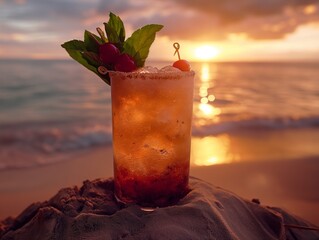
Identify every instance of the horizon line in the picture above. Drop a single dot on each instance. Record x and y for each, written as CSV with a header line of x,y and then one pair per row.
x,y
301,60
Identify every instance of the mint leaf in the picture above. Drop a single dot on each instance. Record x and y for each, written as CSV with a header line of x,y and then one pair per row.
x,y
91,41
75,48
111,34
74,45
115,31
116,23
138,45
92,58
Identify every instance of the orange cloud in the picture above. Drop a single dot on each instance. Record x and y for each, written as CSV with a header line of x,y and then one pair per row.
x,y
39,22
215,20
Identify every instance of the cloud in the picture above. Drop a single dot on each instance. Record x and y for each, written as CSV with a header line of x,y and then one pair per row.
x,y
187,19
215,20
41,21
229,11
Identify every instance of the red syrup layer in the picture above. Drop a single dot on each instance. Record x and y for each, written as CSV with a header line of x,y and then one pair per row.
x,y
152,190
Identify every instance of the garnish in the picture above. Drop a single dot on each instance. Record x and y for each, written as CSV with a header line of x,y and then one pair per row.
x,y
108,53
124,63
112,51
181,64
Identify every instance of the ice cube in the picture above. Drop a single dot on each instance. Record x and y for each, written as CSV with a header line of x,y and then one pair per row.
x,y
169,69
147,69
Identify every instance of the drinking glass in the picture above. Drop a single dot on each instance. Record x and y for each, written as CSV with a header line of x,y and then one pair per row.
x,y
151,121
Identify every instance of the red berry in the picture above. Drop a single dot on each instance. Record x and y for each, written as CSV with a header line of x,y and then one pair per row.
x,y
108,53
125,63
182,65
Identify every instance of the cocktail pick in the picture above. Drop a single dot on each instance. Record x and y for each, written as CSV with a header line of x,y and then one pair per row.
x,y
176,46
181,64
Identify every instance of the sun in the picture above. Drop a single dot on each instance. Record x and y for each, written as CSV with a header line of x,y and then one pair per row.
x,y
206,52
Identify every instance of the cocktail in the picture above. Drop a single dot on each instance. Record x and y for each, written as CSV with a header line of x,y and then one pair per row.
x,y
151,112
152,115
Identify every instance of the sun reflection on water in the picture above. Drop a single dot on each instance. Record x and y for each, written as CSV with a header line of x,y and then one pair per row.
x,y
205,111
210,150
213,149
209,110
205,73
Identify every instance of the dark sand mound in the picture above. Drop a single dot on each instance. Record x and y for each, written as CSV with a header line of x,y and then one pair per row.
x,y
207,212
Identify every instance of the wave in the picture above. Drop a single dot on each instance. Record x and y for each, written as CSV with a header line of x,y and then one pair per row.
x,y
29,145
254,124
56,138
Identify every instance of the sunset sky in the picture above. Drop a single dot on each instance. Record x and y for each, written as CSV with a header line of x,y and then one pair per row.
x,y
215,30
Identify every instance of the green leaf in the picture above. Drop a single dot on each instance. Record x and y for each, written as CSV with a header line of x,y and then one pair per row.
x,y
92,58
115,31
75,48
74,45
138,45
87,60
92,42
113,37
111,34
116,23
78,56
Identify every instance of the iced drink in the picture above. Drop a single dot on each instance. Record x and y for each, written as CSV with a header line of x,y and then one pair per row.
x,y
151,115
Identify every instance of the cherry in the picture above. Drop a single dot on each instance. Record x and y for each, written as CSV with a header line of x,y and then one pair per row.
x,y
182,65
125,63
108,53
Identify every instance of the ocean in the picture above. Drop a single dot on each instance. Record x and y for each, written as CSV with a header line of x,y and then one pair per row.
x,y
51,110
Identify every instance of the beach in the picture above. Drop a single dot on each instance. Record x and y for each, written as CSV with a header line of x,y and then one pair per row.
x,y
254,132
235,94
275,183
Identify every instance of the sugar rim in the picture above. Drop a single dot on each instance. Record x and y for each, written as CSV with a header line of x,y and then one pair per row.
x,y
159,74
146,75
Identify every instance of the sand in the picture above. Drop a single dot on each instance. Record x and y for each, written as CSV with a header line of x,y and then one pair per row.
x,y
291,185
206,212
21,187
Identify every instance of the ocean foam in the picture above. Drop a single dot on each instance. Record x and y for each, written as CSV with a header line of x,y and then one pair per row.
x,y
23,146
29,145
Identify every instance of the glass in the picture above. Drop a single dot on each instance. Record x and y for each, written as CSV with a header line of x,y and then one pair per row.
x,y
151,114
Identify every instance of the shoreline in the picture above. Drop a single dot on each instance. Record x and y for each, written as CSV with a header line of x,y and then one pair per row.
x,y
290,185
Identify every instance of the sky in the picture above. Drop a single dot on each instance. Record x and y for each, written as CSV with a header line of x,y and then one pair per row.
x,y
241,30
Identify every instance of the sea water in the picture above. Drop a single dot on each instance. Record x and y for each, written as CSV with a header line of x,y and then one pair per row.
x,y
52,109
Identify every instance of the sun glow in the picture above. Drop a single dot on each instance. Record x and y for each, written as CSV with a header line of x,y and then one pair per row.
x,y
211,150
206,52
